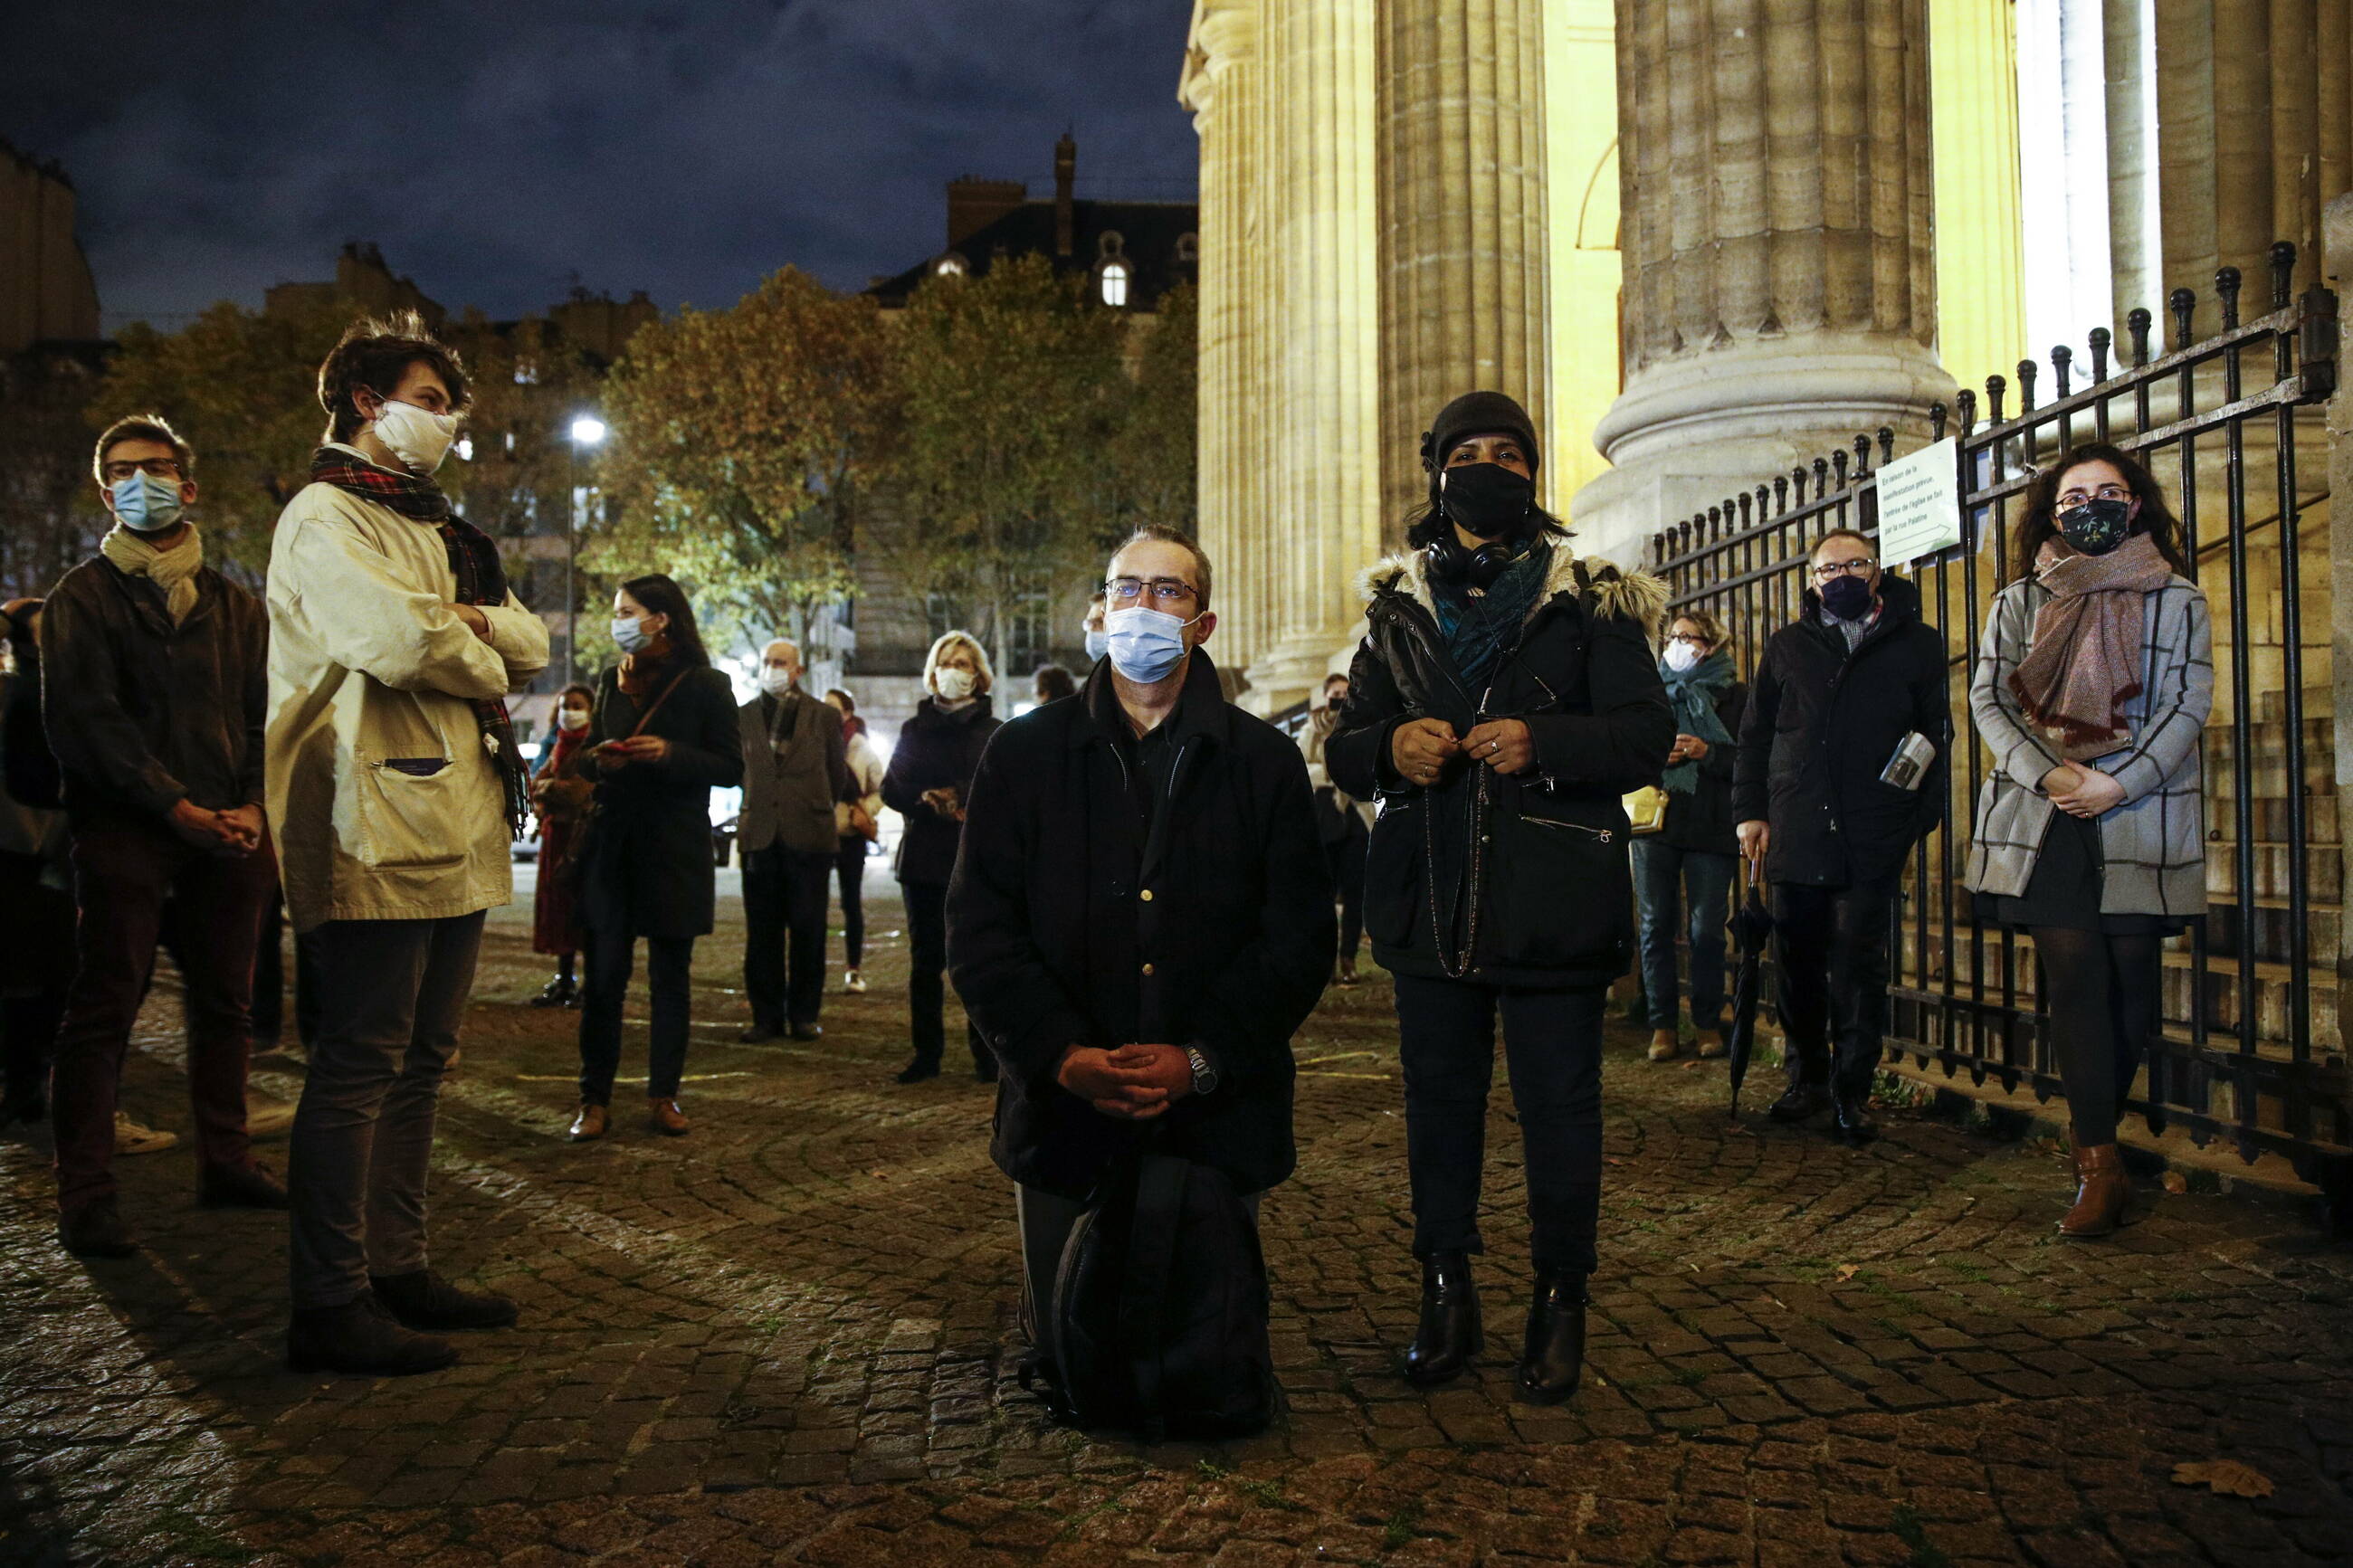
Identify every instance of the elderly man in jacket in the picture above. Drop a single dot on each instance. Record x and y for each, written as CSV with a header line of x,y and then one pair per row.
x,y
153,691
796,767
1836,692
396,789
1140,917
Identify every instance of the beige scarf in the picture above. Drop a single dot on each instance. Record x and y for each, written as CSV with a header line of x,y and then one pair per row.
x,y
2085,661
174,570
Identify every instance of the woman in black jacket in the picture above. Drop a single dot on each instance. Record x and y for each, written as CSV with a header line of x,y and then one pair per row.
x,y
1687,865
665,735
1504,697
926,784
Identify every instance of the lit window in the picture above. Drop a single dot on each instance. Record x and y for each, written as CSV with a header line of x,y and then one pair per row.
x,y
526,374
465,448
510,440
1114,283
948,266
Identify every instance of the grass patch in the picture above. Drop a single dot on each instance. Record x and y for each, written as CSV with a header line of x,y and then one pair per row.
x,y
1398,1530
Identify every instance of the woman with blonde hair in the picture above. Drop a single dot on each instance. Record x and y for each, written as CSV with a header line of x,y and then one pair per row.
x,y
931,768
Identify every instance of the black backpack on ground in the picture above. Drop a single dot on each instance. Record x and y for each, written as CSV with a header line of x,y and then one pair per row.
x,y
1160,1309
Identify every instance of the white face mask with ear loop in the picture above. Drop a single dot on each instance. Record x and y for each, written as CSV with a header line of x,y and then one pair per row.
x,y
419,437
953,685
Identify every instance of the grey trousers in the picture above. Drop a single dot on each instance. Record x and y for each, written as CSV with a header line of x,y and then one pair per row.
x,y
392,995
1046,1222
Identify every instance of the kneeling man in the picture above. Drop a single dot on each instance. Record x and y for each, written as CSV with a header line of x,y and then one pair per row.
x,y
1140,918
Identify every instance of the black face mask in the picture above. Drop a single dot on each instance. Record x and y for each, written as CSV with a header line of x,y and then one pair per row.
x,y
2096,526
1486,499
1846,596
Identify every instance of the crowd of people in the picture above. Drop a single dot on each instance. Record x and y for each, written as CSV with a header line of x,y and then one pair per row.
x,y
1139,890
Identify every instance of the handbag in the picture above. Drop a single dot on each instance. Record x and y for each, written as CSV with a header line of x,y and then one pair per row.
x,y
1646,811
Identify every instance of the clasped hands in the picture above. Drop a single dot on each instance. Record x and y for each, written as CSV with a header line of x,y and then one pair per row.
x,y
233,833
630,749
1133,1083
2082,791
1422,749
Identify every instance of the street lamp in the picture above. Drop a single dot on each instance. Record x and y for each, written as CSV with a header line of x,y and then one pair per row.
x,y
587,430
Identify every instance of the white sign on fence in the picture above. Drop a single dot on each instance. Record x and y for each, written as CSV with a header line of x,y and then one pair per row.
x,y
1920,503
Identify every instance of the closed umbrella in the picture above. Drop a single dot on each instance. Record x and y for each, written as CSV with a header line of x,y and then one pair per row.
x,y
1751,927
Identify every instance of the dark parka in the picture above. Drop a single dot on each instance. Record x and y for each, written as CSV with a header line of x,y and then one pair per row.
x,y
647,866
1555,903
1703,820
143,714
935,750
1820,727
1069,926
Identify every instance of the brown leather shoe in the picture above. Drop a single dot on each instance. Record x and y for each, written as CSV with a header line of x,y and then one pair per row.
x,y
666,1117
2103,1191
1664,1045
591,1123
1712,1045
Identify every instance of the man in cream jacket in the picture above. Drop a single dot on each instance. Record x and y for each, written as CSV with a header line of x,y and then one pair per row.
x,y
392,779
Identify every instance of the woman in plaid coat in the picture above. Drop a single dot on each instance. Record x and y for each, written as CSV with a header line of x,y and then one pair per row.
x,y
2092,683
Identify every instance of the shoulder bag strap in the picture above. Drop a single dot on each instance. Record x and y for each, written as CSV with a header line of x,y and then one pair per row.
x,y
646,717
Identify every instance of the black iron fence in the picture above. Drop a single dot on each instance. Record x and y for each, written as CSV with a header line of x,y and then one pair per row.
x,y
2252,1050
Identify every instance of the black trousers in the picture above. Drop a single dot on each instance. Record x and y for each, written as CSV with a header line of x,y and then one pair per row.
x,y
2104,993
1830,947
849,864
669,979
1552,1048
784,896
1346,860
927,951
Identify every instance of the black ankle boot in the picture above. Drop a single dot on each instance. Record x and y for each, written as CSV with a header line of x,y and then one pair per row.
x,y
1448,1334
1552,1357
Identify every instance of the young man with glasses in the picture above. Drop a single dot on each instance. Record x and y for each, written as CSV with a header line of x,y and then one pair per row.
x,y
1835,694
154,687
1141,918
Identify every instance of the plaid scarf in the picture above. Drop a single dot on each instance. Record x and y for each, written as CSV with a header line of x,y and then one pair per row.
x,y
481,580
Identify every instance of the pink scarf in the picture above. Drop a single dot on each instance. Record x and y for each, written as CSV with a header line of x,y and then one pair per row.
x,y
2084,663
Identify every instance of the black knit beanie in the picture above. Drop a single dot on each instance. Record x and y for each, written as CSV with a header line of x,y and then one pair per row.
x,y
1478,414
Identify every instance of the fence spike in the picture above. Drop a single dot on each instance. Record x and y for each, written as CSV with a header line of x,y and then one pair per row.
x,y
2137,321
1861,454
1937,415
1837,462
2226,284
1745,499
1995,387
2063,361
1821,478
2183,303
1780,495
2283,273
1886,445
1797,484
1659,549
1966,404
2027,372
1728,504
2101,338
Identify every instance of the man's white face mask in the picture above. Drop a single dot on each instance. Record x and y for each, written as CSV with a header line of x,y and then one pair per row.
x,y
419,437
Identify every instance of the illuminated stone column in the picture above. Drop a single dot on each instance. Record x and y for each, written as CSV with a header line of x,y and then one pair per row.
x,y
1777,233
1318,241
1463,274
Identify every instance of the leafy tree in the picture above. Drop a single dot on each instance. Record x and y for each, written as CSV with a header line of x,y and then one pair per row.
x,y
741,439
1157,450
1003,477
51,516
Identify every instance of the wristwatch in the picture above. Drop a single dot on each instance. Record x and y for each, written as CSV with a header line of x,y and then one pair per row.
x,y
1205,1075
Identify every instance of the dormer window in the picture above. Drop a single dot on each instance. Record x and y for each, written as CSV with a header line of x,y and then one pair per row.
x,y
1114,283
1188,247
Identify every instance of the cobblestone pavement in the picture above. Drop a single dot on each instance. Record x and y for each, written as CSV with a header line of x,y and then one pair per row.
x,y
790,1337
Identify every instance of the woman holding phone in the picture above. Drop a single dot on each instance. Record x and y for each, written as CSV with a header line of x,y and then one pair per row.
x,y
664,736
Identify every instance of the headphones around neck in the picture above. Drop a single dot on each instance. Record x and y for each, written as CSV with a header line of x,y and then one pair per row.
x,y
1445,560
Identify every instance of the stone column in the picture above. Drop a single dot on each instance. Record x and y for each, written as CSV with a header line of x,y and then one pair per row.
x,y
1777,234
1217,85
1464,283
1318,241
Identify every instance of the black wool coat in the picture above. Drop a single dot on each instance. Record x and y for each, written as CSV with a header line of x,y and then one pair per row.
x,y
1822,724
648,867
1547,854
1069,925
935,749
1702,819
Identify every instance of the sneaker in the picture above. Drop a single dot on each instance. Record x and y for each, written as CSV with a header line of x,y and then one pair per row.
x,y
854,981
268,1118
1347,974
132,1138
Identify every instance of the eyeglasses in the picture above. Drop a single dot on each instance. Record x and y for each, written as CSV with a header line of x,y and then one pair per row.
x,y
1689,639
161,468
2074,499
1162,590
1860,567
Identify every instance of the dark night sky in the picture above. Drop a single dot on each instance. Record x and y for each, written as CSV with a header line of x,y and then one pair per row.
x,y
495,148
